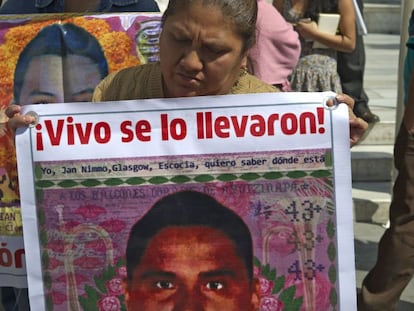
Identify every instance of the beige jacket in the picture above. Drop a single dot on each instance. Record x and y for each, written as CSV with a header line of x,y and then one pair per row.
x,y
145,81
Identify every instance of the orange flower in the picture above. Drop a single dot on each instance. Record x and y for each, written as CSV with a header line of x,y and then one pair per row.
x,y
95,26
15,39
117,47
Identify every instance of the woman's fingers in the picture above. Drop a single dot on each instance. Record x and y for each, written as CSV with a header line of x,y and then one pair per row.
x,y
12,110
17,120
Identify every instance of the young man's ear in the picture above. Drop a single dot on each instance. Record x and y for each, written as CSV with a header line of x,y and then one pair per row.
x,y
126,289
255,299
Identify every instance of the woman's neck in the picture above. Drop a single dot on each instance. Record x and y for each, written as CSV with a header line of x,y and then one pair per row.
x,y
300,6
81,5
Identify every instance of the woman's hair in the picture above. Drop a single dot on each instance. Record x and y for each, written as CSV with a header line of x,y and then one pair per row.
x,y
187,209
62,40
321,6
241,13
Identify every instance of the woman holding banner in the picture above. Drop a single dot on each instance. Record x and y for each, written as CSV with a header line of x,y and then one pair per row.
x,y
202,52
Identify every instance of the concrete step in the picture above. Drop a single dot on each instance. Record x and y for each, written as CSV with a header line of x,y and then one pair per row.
x,y
371,163
383,18
371,201
381,133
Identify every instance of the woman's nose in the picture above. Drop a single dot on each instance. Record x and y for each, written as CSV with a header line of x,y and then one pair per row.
x,y
192,61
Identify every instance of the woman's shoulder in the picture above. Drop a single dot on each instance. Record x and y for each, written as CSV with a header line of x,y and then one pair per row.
x,y
138,82
248,83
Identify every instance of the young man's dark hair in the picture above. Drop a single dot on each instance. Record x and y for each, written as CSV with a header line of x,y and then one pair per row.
x,y
61,40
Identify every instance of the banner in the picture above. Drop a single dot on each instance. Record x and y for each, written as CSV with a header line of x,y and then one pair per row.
x,y
279,162
51,58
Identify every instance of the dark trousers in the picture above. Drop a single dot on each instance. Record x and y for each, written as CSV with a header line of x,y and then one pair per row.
x,y
351,68
15,299
382,287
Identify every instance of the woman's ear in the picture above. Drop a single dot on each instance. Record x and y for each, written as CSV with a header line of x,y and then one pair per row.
x,y
243,64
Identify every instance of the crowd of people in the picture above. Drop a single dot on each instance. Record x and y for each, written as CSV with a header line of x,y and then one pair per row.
x,y
251,46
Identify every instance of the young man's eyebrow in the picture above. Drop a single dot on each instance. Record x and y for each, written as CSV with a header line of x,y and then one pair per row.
x,y
43,93
85,91
157,274
218,273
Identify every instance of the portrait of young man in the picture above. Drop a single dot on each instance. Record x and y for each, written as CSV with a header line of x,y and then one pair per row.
x,y
62,63
189,252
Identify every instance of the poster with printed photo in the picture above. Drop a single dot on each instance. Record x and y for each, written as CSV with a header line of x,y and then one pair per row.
x,y
236,202
53,58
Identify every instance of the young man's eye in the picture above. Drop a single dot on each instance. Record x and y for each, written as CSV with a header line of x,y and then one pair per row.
x,y
164,285
215,285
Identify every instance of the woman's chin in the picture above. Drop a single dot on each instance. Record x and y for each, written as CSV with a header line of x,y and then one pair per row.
x,y
184,92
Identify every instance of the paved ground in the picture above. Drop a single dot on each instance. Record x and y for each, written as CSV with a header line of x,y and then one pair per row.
x,y
381,74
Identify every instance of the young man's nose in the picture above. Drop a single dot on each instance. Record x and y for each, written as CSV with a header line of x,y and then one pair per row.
x,y
188,300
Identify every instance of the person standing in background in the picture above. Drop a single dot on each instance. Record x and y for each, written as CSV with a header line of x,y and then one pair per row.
x,y
316,70
351,68
394,269
277,47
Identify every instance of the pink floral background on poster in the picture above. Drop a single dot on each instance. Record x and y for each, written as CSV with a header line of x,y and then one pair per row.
x,y
84,229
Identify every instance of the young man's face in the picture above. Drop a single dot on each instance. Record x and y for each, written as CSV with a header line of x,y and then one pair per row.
x,y
43,81
191,269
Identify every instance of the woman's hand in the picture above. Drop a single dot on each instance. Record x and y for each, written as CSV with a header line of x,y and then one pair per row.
x,y
306,28
357,126
16,119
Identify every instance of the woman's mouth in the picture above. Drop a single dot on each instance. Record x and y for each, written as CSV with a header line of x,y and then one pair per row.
x,y
188,80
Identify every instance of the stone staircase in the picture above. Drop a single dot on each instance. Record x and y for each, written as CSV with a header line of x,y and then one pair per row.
x,y
372,170
383,16
372,159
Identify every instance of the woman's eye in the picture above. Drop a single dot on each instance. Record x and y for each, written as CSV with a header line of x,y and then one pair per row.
x,y
181,39
164,285
215,50
215,285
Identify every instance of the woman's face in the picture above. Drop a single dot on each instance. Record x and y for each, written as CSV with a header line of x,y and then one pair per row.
x,y
200,53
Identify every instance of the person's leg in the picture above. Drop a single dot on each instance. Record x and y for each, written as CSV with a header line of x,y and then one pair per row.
x,y
351,69
8,299
22,299
15,299
382,287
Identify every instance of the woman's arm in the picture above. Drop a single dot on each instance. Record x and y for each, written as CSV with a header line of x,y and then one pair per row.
x,y
343,41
